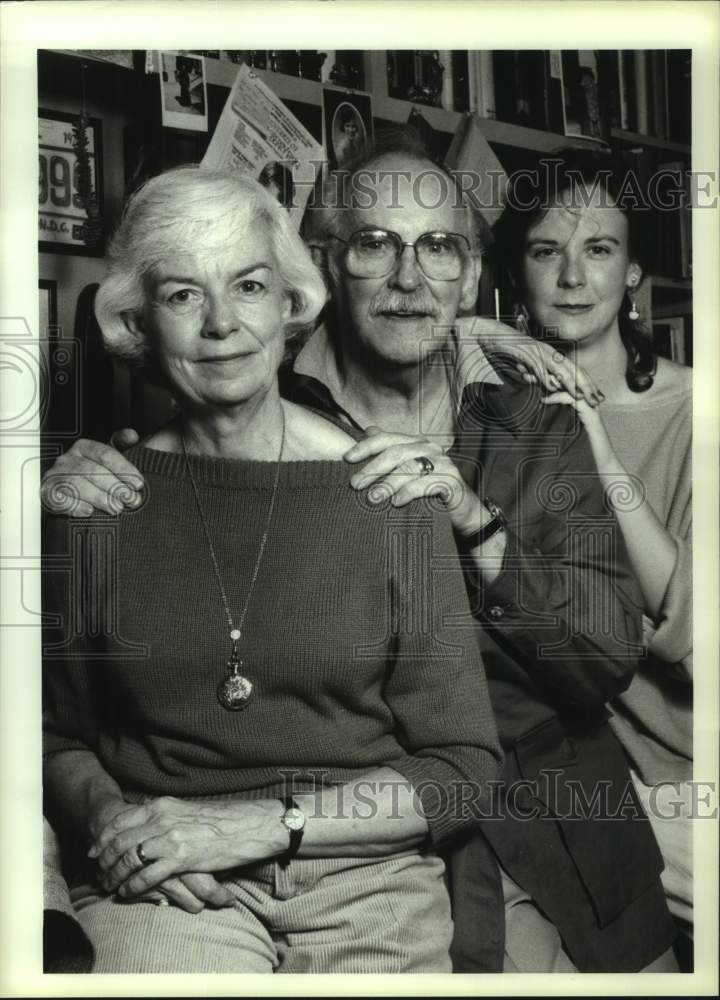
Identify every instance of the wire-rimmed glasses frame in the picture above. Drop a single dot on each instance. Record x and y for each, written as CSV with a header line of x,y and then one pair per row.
x,y
440,255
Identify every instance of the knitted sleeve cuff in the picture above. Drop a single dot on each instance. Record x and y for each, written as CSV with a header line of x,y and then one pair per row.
x,y
450,802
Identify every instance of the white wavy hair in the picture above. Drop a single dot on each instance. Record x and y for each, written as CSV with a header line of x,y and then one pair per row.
x,y
207,209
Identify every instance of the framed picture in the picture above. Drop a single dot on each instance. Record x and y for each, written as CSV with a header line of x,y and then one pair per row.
x,y
183,91
347,124
48,309
61,211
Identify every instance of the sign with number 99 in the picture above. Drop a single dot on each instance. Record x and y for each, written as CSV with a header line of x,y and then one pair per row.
x,y
61,212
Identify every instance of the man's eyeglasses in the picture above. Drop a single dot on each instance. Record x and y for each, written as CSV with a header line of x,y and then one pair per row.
x,y
374,253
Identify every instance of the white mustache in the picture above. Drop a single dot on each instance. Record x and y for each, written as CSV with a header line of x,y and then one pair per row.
x,y
383,303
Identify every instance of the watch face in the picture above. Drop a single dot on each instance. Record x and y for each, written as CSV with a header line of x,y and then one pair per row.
x,y
294,819
496,511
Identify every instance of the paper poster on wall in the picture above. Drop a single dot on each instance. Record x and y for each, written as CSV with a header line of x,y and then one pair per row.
x,y
183,91
347,125
259,136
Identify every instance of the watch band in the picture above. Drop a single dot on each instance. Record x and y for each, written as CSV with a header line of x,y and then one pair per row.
x,y
296,828
495,524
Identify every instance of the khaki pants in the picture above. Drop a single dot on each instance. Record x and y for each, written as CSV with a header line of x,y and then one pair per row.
x,y
317,915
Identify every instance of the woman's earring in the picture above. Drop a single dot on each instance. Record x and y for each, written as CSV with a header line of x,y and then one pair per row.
x,y
633,314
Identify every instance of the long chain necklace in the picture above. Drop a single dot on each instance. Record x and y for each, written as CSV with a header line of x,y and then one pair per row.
x,y
235,691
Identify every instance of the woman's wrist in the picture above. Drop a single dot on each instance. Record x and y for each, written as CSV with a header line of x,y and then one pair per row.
x,y
102,807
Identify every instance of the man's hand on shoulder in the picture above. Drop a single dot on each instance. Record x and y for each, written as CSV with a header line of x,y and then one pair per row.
x,y
93,476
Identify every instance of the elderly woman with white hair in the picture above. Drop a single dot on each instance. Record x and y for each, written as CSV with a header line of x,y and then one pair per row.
x,y
289,713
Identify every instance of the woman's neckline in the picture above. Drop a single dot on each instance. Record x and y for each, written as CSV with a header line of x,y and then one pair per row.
x,y
240,472
647,402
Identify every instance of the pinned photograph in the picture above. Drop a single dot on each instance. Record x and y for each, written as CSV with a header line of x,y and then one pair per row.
x,y
347,124
183,91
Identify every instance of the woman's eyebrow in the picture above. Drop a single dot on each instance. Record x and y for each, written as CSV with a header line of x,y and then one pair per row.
x,y
603,237
542,239
591,239
253,267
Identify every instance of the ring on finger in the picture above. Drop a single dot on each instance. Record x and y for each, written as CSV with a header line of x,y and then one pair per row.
x,y
426,466
142,856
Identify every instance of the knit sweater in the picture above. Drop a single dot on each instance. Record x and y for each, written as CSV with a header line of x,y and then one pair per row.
x,y
653,718
358,639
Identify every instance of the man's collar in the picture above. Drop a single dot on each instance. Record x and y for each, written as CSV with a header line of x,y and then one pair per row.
x,y
317,360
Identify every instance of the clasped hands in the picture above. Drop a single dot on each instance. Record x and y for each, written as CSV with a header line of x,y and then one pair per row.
x,y
183,843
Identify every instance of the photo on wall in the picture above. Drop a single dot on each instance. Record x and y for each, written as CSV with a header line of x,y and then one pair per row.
x,y
347,125
183,91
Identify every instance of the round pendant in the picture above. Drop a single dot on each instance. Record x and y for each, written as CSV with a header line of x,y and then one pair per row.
x,y
234,692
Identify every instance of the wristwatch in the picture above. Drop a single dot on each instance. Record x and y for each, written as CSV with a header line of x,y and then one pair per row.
x,y
496,523
293,819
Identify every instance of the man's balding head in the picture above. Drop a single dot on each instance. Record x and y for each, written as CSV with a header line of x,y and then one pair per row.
x,y
394,172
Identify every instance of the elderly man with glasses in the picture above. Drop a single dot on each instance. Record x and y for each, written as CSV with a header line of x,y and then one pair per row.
x,y
558,877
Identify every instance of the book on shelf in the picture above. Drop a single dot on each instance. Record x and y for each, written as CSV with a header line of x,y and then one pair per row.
x,y
481,83
676,222
553,95
460,73
418,75
679,81
447,93
520,81
672,339
639,84
657,91
586,109
622,91
616,70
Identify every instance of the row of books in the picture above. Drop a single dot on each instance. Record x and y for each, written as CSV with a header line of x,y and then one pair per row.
x,y
343,67
673,338
572,92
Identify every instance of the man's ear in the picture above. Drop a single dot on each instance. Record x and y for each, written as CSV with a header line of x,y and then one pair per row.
x,y
469,292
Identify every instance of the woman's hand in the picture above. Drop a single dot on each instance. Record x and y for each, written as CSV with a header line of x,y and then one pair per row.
x,y
93,476
192,892
592,421
536,360
398,466
180,837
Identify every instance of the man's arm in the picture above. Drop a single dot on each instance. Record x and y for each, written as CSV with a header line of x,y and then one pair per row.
x,y
565,603
554,585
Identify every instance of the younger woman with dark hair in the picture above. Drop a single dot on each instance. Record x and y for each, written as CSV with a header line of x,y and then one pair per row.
x,y
576,260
